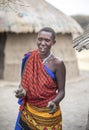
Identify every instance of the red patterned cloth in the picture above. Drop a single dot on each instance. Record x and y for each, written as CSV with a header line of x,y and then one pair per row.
x,y
38,84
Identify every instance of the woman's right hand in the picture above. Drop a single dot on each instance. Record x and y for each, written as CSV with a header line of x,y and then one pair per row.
x,y
20,92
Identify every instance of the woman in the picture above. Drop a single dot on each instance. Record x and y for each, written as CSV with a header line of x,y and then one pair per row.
x,y
42,86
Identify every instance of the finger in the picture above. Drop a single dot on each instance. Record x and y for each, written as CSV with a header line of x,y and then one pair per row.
x,y
53,109
20,89
51,112
19,95
49,104
16,91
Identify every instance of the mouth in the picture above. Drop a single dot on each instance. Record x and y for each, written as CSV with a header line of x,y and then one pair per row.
x,y
42,49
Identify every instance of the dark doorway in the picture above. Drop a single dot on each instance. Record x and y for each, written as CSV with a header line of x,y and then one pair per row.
x,y
2,55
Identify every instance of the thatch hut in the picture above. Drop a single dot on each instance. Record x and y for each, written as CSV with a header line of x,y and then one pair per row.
x,y
82,41
22,27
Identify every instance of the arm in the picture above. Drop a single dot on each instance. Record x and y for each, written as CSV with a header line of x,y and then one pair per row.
x,y
21,92
60,76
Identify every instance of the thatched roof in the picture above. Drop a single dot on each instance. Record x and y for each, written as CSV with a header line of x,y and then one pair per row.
x,y
83,20
33,16
82,42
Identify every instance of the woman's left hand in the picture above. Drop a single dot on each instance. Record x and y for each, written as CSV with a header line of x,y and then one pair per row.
x,y
52,106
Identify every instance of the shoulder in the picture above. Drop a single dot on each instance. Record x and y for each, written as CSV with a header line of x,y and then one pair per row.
x,y
59,63
57,60
26,55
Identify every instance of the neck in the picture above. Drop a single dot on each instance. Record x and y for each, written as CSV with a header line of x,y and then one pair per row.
x,y
43,56
46,58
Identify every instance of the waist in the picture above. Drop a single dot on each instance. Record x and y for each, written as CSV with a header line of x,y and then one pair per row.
x,y
42,111
40,102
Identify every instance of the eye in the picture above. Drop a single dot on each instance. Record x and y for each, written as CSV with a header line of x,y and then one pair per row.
x,y
47,40
39,39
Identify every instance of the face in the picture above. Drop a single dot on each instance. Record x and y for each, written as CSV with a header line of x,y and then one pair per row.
x,y
44,42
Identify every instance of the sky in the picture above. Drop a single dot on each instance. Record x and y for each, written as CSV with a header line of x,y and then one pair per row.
x,y
72,7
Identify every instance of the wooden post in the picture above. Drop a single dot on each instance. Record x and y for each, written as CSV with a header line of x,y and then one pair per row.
x,y
87,127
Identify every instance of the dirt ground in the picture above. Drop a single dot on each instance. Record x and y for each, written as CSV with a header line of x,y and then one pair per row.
x,y
74,107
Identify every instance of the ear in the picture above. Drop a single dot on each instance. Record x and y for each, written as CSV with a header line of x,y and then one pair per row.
x,y
54,42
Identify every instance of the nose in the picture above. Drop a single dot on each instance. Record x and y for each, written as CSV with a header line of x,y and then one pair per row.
x,y
43,42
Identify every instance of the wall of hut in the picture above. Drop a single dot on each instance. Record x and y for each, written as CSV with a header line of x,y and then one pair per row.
x,y
18,44
64,50
2,54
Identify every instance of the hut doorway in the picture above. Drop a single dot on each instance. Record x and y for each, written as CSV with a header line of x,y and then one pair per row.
x,y
2,55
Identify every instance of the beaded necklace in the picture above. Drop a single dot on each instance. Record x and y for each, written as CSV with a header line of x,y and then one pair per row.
x,y
45,59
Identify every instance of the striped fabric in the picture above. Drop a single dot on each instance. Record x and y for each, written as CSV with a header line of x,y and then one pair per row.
x,y
40,90
38,84
39,118
82,41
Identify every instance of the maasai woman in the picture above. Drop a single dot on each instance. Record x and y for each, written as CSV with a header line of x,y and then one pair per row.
x,y
42,86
